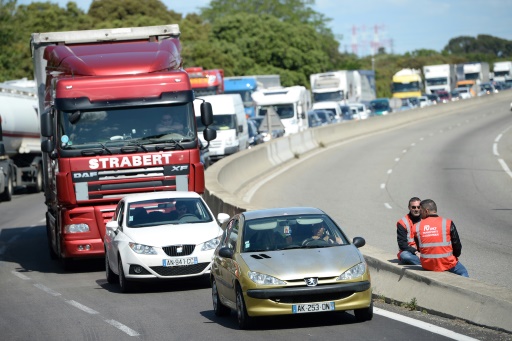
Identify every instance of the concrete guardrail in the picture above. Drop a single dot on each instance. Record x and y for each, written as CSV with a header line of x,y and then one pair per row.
x,y
439,293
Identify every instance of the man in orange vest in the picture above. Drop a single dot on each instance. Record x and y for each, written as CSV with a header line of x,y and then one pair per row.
x,y
438,241
408,251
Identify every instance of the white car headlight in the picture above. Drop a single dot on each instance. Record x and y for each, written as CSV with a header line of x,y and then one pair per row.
x,y
263,279
142,249
211,244
76,228
353,272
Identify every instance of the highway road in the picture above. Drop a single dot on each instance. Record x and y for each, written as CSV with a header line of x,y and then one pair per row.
x,y
365,184
456,160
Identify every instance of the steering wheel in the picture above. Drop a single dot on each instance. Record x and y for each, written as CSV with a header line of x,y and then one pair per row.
x,y
314,242
187,217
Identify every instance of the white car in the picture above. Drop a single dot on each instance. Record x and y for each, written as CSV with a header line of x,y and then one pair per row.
x,y
160,235
360,112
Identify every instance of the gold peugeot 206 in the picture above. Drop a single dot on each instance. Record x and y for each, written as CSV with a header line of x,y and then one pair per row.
x,y
288,261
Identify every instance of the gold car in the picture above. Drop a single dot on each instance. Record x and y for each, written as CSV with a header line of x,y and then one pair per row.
x,y
288,261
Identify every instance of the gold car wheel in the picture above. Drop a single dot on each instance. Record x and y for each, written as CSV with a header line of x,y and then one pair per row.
x,y
219,308
244,320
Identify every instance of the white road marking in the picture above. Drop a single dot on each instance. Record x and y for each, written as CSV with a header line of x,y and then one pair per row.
x,y
388,206
20,275
122,327
397,159
423,325
82,307
46,289
390,171
382,186
495,149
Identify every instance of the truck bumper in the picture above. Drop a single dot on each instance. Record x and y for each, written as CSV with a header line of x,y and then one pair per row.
x,y
85,248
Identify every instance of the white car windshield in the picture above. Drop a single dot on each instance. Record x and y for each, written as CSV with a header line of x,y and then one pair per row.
x,y
167,211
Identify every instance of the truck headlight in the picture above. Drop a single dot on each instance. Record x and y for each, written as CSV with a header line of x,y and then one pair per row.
x,y
76,228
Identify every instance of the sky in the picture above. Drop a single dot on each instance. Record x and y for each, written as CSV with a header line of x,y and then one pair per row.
x,y
399,26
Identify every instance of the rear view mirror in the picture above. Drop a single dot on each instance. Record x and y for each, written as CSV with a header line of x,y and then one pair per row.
x,y
206,113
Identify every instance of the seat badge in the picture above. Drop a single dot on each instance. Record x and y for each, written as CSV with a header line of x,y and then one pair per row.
x,y
311,282
179,249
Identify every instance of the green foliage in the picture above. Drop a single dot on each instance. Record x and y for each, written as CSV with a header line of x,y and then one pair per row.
x,y
242,37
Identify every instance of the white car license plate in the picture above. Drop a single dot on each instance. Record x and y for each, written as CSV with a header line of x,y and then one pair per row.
x,y
179,261
312,307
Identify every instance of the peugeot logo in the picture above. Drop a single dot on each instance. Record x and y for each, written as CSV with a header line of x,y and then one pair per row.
x,y
311,282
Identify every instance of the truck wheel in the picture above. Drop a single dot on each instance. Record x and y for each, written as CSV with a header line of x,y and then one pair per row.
x,y
38,186
7,194
53,254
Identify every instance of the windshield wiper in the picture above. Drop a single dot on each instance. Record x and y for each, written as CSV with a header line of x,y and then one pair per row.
x,y
87,152
138,144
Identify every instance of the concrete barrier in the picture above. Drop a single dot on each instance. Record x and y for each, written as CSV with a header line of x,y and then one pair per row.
x,y
453,296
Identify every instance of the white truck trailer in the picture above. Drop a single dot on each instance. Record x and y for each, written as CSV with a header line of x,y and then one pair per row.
x,y
336,86
502,71
290,103
478,71
442,77
20,146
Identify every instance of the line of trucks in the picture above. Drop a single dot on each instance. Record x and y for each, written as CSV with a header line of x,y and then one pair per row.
x,y
85,133
468,77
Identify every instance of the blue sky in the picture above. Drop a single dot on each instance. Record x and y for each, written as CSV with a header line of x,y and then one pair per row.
x,y
401,25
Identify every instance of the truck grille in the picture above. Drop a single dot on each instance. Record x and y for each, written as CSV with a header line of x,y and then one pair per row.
x,y
118,183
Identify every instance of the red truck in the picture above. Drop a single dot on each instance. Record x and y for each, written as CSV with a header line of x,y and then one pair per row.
x,y
103,95
206,82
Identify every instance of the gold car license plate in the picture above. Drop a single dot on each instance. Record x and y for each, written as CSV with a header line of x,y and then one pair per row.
x,y
183,261
312,307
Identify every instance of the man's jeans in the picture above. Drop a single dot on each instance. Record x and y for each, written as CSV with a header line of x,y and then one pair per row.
x,y
459,269
409,258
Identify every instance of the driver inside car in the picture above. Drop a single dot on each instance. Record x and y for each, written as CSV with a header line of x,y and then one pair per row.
x,y
319,233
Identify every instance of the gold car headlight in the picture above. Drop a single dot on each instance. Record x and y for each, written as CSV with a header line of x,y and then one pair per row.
x,y
354,272
262,279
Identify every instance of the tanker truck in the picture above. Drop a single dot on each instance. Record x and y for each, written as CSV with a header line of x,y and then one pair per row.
x,y
20,149
105,97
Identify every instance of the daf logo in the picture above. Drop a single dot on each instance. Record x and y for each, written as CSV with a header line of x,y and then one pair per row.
x,y
85,175
179,168
311,282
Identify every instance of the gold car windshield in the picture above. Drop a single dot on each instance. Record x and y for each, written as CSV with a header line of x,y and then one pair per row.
x,y
277,233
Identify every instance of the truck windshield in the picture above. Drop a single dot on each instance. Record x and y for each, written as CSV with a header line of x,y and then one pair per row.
x,y
328,96
245,94
406,87
283,110
80,129
437,81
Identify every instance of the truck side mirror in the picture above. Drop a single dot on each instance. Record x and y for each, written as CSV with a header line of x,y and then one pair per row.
x,y
206,113
47,146
240,128
209,134
46,125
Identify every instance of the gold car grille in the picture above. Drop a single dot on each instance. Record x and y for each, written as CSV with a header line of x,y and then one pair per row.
x,y
310,298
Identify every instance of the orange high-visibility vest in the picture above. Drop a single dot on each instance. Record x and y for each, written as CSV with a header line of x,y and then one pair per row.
x,y
435,243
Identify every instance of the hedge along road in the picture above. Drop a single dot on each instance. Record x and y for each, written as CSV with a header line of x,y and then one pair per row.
x,y
458,154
